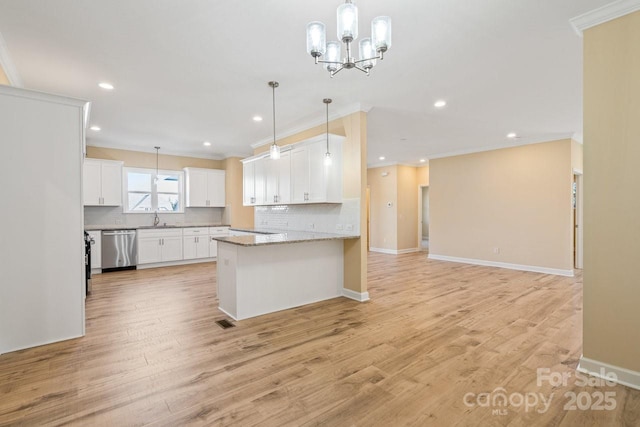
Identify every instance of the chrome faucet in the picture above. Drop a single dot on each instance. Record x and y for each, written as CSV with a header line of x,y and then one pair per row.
x,y
156,220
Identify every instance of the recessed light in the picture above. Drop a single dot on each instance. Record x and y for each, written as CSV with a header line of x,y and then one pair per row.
x,y
105,86
440,104
381,158
206,144
95,128
422,160
257,118
512,135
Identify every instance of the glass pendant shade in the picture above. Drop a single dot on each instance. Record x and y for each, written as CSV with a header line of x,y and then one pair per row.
x,y
274,151
381,33
327,159
332,55
316,39
347,22
366,52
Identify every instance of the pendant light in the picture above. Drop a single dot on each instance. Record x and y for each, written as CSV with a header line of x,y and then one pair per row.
x,y
327,155
274,151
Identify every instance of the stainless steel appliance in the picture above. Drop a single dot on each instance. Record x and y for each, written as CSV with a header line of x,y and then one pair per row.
x,y
119,249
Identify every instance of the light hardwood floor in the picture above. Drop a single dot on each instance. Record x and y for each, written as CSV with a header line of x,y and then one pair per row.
x,y
432,333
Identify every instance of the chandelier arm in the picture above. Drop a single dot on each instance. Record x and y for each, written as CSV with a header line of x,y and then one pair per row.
x,y
330,62
333,73
367,59
364,70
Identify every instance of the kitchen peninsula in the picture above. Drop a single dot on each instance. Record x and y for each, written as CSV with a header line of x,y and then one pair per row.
x,y
267,272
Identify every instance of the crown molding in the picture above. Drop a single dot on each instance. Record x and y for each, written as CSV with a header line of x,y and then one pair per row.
x,y
166,152
387,164
578,137
338,113
604,14
7,64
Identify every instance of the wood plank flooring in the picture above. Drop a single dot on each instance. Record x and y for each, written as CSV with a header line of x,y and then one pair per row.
x,y
432,333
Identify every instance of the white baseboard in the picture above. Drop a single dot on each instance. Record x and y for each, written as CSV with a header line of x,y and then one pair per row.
x,y
520,267
394,251
602,370
358,296
227,313
172,263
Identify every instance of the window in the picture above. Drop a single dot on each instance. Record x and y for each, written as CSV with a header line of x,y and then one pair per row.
x,y
146,192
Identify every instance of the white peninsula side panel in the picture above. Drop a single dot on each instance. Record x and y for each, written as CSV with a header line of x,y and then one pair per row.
x,y
256,280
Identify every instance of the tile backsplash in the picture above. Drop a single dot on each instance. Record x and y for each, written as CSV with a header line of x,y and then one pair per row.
x,y
103,215
341,218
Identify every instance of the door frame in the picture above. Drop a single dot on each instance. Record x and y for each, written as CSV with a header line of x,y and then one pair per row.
x,y
578,223
420,191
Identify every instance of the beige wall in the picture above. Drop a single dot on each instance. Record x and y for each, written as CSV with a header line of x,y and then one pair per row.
x,y
139,159
611,158
576,156
354,128
235,213
384,219
3,77
516,199
395,227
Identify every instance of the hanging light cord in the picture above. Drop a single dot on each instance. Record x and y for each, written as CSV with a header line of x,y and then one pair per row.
x,y
328,126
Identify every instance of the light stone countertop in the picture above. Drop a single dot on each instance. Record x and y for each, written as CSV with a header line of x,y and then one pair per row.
x,y
275,237
146,227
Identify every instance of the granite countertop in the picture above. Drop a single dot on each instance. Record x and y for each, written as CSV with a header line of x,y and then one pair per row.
x,y
275,237
146,227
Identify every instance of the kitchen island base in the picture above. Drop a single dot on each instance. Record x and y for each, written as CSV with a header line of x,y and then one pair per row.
x,y
256,280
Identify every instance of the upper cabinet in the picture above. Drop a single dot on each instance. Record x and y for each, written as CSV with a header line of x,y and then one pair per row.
x,y
205,188
102,182
299,176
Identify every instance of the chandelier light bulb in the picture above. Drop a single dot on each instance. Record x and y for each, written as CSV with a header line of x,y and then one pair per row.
x,y
347,22
316,39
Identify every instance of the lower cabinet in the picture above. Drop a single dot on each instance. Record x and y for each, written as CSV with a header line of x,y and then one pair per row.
x,y
213,244
196,243
159,246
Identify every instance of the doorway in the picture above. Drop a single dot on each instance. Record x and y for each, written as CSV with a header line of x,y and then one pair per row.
x,y
423,217
577,202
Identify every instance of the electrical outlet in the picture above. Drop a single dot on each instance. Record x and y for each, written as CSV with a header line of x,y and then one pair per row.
x,y
348,227
338,227
496,250
311,226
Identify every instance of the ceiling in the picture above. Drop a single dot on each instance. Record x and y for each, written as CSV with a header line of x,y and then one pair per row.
x,y
190,71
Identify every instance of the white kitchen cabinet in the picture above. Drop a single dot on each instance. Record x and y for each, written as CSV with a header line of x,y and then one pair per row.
x,y
299,176
311,180
159,245
195,242
102,182
205,187
213,244
96,249
278,179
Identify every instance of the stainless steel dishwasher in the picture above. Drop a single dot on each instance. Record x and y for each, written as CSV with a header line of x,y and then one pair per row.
x,y
119,249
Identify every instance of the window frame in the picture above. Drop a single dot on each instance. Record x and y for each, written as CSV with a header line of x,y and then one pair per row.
x,y
154,190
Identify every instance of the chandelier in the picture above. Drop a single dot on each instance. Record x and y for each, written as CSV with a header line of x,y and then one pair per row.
x,y
371,48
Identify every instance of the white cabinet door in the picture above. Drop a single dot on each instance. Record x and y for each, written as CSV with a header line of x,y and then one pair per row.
x,y
317,183
284,178
300,174
96,248
111,184
196,180
149,250
216,188
189,247
202,247
260,176
171,248
91,183
249,184
102,182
